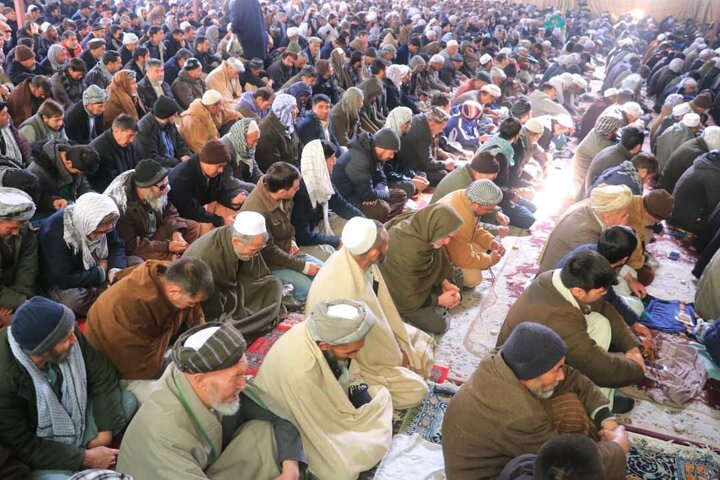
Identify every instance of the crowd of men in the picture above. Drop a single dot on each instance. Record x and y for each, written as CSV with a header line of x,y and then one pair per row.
x,y
178,175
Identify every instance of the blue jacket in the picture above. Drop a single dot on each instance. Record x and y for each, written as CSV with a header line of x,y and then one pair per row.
x,y
64,269
463,131
623,174
305,218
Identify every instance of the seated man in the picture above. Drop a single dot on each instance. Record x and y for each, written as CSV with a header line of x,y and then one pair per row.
x,y
359,177
46,124
315,125
152,86
225,79
570,301
319,211
272,198
18,252
472,248
206,119
116,150
634,173
345,425
158,137
630,144
80,251
16,151
62,171
199,424
67,83
520,397
61,396
245,294
607,206
84,120
198,190
415,156
396,355
149,225
134,323
419,274
707,301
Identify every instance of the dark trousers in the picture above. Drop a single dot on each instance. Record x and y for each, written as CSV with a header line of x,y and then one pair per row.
x,y
520,213
384,210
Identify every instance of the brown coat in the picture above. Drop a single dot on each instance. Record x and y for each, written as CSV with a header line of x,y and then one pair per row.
x,y
542,303
21,103
277,221
132,322
578,226
636,220
469,245
197,125
494,418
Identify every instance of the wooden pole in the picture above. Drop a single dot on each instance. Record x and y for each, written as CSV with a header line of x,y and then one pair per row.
x,y
20,12
196,9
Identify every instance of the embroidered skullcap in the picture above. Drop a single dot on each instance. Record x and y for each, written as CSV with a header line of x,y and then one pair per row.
x,y
39,324
249,223
358,235
610,92
208,348
339,322
532,350
471,109
691,120
681,109
437,115
211,97
608,198
534,126
607,124
632,108
15,204
129,38
437,58
484,192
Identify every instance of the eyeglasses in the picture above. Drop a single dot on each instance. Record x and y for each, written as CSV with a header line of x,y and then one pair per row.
x,y
162,186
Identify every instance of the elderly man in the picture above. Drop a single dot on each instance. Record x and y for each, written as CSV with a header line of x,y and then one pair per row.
x,y
472,248
14,149
199,424
359,176
80,251
18,252
570,301
153,86
519,398
345,425
149,225
199,191
134,323
245,295
84,120
205,120
396,355
61,396
273,199
225,79
189,85
158,137
601,136
116,151
607,206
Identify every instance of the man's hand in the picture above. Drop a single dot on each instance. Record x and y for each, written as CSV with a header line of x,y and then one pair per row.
x,y
449,165
635,355
290,470
637,288
645,336
177,247
100,457
447,286
104,264
238,200
313,269
294,249
5,316
228,221
503,231
185,158
502,219
449,299
103,439
497,246
617,435
420,183
495,257
59,203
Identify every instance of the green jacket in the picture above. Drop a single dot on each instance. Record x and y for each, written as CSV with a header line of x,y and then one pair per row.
x,y
18,280
18,411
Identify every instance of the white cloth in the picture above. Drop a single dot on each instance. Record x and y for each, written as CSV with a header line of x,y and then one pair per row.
x,y
398,117
81,219
317,179
412,458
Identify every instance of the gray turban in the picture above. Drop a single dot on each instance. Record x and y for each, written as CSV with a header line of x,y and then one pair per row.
x,y
15,204
94,94
208,348
339,322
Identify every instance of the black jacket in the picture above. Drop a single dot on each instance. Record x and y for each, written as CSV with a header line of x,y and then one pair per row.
x,y
310,129
415,154
172,69
275,144
696,193
77,126
95,77
66,89
149,144
191,190
89,60
132,65
114,160
125,55
17,73
147,93
358,175
327,87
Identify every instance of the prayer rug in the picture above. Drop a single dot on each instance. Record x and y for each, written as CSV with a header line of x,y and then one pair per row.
x,y
651,458
426,419
260,347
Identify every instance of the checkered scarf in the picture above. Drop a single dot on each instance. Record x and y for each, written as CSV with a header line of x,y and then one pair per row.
x,y
81,219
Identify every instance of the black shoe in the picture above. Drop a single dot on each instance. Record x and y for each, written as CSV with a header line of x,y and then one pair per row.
x,y
621,403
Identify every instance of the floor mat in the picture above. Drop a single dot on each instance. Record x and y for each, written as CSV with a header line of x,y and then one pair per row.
x,y
426,419
257,350
651,458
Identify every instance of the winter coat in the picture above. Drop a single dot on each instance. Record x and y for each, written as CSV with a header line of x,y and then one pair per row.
x,y
608,157
219,80
358,175
310,128
65,89
34,130
344,127
696,193
149,143
577,227
77,126
415,154
680,160
669,141
197,125
19,275
147,93
186,89
114,160
276,144
22,104
623,174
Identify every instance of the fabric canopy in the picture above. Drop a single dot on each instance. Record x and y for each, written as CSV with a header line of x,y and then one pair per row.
x,y
702,10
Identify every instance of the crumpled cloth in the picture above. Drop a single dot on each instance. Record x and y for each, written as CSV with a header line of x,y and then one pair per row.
x,y
412,458
682,378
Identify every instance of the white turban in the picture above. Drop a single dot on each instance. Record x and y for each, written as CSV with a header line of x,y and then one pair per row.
x,y
608,198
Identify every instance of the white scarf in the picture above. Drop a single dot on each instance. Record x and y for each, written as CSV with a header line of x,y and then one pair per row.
x,y
81,219
317,179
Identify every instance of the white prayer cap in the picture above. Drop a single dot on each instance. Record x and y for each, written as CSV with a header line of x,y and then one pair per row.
x,y
632,108
236,64
184,25
211,97
293,31
358,235
437,58
253,127
610,92
340,322
711,135
506,51
534,126
681,109
676,65
564,120
249,223
579,81
45,26
371,16
485,59
492,89
661,37
129,38
452,43
691,120
198,339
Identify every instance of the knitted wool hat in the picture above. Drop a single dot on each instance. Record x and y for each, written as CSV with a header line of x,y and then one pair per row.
x,y
532,350
387,138
214,152
149,172
484,192
165,107
485,162
659,203
39,324
23,53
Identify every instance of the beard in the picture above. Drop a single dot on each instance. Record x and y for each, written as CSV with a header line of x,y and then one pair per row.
x,y
158,204
55,357
222,406
545,393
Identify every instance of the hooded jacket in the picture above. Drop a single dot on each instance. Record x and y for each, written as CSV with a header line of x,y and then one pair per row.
x,y
696,193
